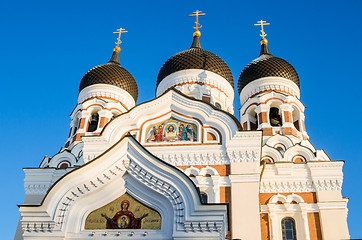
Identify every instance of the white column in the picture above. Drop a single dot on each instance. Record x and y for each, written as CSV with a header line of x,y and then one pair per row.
x,y
272,222
245,206
216,188
303,209
85,114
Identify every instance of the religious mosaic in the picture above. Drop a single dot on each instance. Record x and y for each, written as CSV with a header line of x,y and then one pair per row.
x,y
124,213
171,130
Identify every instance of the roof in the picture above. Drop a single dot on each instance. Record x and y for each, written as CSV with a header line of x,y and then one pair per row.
x,y
266,65
111,73
196,58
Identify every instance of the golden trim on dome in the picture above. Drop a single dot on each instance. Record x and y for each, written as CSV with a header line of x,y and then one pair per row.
x,y
119,31
263,34
198,26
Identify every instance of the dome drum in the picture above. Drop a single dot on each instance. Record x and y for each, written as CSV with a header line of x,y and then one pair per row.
x,y
268,84
198,83
107,91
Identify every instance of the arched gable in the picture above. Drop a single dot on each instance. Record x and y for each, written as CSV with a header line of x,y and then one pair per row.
x,y
126,167
172,103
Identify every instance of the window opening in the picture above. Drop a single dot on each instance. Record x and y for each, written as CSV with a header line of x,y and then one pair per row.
x,y
203,197
93,122
296,119
217,105
274,117
288,229
254,125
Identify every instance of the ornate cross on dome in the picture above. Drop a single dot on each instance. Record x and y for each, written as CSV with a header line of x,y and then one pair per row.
x,y
119,31
197,14
262,24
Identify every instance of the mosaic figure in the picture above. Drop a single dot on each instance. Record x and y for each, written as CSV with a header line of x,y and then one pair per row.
x,y
124,219
171,130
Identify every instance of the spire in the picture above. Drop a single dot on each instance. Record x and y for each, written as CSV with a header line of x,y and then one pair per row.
x,y
117,49
196,42
115,57
264,42
264,50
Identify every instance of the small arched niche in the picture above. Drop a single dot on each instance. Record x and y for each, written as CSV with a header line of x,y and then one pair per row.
x,y
218,105
64,164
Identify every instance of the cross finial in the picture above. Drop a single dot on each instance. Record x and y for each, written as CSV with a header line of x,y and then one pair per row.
x,y
197,14
119,31
262,24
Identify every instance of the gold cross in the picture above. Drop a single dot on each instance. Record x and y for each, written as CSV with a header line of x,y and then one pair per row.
x,y
119,31
197,14
262,24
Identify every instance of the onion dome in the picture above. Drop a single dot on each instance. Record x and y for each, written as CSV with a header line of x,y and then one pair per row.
x,y
196,58
266,65
111,73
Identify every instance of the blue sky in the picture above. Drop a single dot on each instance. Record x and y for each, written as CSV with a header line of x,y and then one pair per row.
x,y
47,46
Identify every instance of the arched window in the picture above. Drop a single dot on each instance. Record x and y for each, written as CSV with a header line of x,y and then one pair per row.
x,y
203,197
288,229
218,105
76,124
274,117
64,164
253,120
296,118
93,122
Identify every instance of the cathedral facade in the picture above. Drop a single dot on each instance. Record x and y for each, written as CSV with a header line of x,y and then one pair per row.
x,y
182,166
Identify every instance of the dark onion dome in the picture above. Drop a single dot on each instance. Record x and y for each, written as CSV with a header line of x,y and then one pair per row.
x,y
266,65
111,73
196,58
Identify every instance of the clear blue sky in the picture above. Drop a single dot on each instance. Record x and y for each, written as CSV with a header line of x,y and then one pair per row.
x,y
47,46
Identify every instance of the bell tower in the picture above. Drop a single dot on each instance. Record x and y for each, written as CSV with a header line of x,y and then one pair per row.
x,y
270,95
105,92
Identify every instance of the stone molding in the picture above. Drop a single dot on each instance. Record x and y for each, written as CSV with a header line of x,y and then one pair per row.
x,y
268,83
288,186
109,91
129,164
195,75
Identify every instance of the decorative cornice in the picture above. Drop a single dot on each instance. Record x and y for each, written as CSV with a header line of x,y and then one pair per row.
x,y
109,91
268,83
286,186
198,76
243,156
36,188
328,184
187,159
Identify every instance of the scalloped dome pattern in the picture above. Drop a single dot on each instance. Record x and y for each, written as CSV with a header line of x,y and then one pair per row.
x,y
195,58
267,66
113,74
